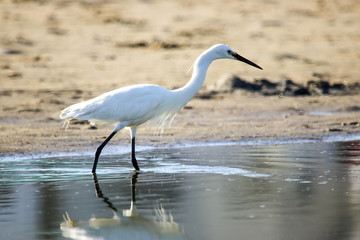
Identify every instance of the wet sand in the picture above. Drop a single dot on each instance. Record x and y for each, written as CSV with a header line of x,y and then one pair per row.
x,y
75,50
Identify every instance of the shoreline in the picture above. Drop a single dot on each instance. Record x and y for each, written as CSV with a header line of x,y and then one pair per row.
x,y
125,149
114,149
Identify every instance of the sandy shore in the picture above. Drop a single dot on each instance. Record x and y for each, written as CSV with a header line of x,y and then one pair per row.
x,y
57,53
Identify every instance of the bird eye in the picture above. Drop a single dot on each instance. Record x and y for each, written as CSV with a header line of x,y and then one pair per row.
x,y
230,52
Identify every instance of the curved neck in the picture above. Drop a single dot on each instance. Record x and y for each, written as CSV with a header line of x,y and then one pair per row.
x,y
201,66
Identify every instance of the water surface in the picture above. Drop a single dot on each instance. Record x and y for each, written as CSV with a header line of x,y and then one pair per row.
x,y
283,191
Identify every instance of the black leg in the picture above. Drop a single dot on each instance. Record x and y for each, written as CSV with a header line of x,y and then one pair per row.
x,y
133,182
133,159
100,194
99,149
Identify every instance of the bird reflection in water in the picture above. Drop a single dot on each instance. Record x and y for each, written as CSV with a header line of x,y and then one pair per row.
x,y
127,224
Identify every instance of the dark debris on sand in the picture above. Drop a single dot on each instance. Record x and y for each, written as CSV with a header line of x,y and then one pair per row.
x,y
314,87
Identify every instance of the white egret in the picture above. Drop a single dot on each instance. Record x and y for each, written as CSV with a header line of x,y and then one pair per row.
x,y
131,106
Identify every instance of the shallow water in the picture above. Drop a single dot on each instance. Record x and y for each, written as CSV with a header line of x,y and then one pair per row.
x,y
284,191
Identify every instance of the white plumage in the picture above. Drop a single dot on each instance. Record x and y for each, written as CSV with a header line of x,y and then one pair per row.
x,y
133,105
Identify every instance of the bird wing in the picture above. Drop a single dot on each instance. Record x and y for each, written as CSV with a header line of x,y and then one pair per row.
x,y
134,104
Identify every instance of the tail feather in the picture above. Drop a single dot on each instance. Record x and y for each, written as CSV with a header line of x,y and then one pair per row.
x,y
73,112
68,113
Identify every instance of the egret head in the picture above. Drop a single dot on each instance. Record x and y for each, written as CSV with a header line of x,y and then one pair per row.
x,y
223,51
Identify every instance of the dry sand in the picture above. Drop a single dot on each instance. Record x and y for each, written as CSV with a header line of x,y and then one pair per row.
x,y
57,53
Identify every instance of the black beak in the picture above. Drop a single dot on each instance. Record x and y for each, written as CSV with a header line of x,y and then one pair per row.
x,y
240,58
